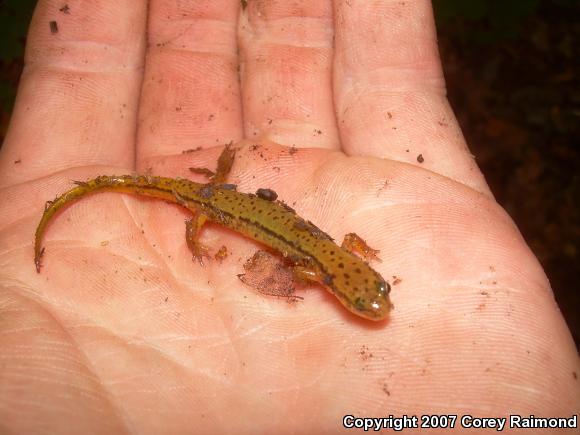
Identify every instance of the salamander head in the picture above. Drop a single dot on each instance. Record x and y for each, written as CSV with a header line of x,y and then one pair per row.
x,y
373,303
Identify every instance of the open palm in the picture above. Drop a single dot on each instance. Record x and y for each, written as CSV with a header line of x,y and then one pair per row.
x,y
340,108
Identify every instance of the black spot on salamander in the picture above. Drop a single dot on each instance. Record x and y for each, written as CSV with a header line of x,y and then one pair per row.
x,y
328,280
49,203
228,186
318,233
301,225
206,191
222,218
267,194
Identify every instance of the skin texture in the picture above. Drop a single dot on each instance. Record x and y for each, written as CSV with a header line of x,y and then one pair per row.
x,y
123,333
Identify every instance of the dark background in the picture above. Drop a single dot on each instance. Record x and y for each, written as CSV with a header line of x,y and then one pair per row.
x,y
512,70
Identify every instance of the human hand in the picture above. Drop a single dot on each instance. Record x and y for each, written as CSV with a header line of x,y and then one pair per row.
x,y
122,332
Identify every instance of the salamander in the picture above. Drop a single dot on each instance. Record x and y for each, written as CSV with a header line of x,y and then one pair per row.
x,y
312,254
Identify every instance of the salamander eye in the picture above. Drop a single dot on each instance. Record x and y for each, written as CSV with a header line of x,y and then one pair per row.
x,y
376,304
383,287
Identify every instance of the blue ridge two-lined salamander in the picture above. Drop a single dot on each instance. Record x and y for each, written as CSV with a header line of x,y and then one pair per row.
x,y
311,252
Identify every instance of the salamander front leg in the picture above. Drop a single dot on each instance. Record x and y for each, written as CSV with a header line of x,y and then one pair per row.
x,y
307,275
192,228
355,244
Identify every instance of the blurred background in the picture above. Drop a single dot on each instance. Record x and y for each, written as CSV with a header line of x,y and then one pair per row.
x,y
512,69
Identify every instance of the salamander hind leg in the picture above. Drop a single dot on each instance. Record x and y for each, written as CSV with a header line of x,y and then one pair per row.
x,y
224,165
203,171
353,243
192,229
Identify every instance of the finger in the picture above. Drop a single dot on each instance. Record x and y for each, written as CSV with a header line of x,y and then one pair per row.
x,y
390,91
78,94
286,55
190,91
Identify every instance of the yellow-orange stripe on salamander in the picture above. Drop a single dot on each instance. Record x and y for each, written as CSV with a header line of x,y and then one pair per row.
x,y
260,217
